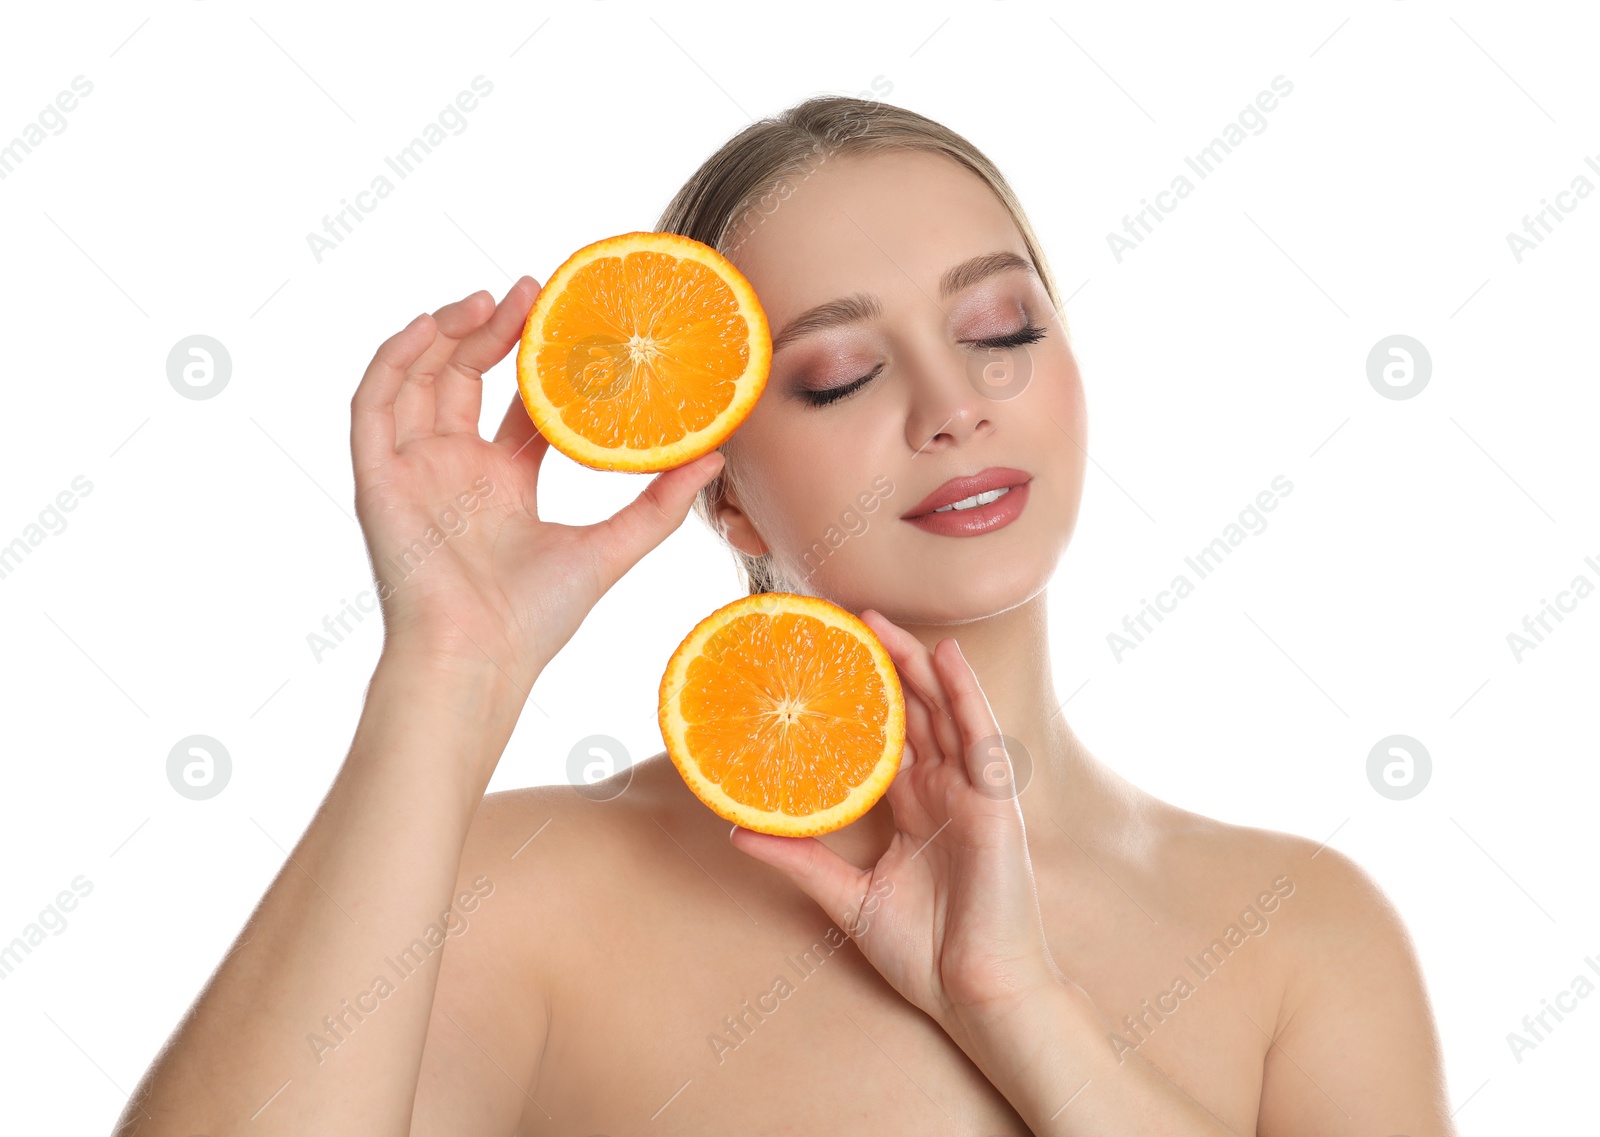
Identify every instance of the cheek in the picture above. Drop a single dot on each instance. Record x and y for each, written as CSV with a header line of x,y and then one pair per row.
x,y
1068,426
815,485
819,485
1060,390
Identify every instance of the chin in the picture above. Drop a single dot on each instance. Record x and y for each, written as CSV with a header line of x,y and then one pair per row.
x,y
912,591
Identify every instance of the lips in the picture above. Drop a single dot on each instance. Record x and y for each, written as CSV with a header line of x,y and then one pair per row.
x,y
958,489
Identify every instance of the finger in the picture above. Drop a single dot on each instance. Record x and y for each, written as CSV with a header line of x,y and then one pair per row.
x,y
915,664
372,407
973,715
816,870
416,409
910,815
459,398
627,535
520,438
518,435
920,731
989,767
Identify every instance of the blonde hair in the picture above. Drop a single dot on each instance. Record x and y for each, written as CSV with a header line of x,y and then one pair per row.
x,y
728,197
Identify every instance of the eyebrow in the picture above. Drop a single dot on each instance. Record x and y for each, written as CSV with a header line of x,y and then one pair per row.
x,y
862,306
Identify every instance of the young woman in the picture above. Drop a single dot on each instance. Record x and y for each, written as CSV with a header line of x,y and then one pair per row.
x,y
1014,940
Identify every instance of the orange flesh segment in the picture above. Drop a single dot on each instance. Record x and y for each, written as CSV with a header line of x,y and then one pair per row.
x,y
677,327
776,714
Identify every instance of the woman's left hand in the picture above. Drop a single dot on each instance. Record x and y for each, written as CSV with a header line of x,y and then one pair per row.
x,y
949,914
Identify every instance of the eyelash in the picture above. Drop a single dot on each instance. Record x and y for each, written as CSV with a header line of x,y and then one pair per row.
x,y
1028,333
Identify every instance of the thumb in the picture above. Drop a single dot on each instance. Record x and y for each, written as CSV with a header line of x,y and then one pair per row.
x,y
816,870
648,519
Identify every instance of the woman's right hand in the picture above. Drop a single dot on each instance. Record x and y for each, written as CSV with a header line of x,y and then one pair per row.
x,y
466,568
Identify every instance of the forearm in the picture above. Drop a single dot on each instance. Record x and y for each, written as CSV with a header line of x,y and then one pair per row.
x,y
1054,1062
376,866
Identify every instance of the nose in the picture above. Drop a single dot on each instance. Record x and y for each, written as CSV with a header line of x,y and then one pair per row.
x,y
946,410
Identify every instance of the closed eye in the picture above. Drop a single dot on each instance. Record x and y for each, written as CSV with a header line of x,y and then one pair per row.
x,y
1028,333
833,394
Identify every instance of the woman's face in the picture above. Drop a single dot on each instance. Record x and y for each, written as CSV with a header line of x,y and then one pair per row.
x,y
825,487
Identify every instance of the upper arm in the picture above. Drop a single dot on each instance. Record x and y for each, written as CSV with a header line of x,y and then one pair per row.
x,y
487,1031
1355,1049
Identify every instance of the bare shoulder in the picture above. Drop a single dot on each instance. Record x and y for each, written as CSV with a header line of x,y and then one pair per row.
x,y
554,852
1330,894
554,860
1318,915
1353,1034
560,841
530,869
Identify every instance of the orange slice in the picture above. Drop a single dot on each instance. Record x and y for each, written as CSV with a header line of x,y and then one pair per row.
x,y
643,352
784,714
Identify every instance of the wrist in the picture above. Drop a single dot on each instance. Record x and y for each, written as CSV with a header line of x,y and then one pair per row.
x,y
1055,1060
446,718
452,657
1007,1040
981,1013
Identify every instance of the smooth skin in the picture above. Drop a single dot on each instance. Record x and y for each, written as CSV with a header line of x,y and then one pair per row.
x,y
631,965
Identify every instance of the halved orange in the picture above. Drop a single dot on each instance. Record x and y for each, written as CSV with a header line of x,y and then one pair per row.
x,y
643,352
784,714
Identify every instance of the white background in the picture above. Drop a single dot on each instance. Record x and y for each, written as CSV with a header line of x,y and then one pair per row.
x,y
1229,348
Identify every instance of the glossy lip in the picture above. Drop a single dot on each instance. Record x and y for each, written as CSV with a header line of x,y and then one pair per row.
x,y
959,489
979,519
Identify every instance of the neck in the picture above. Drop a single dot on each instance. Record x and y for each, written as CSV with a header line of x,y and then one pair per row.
x,y
1064,790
